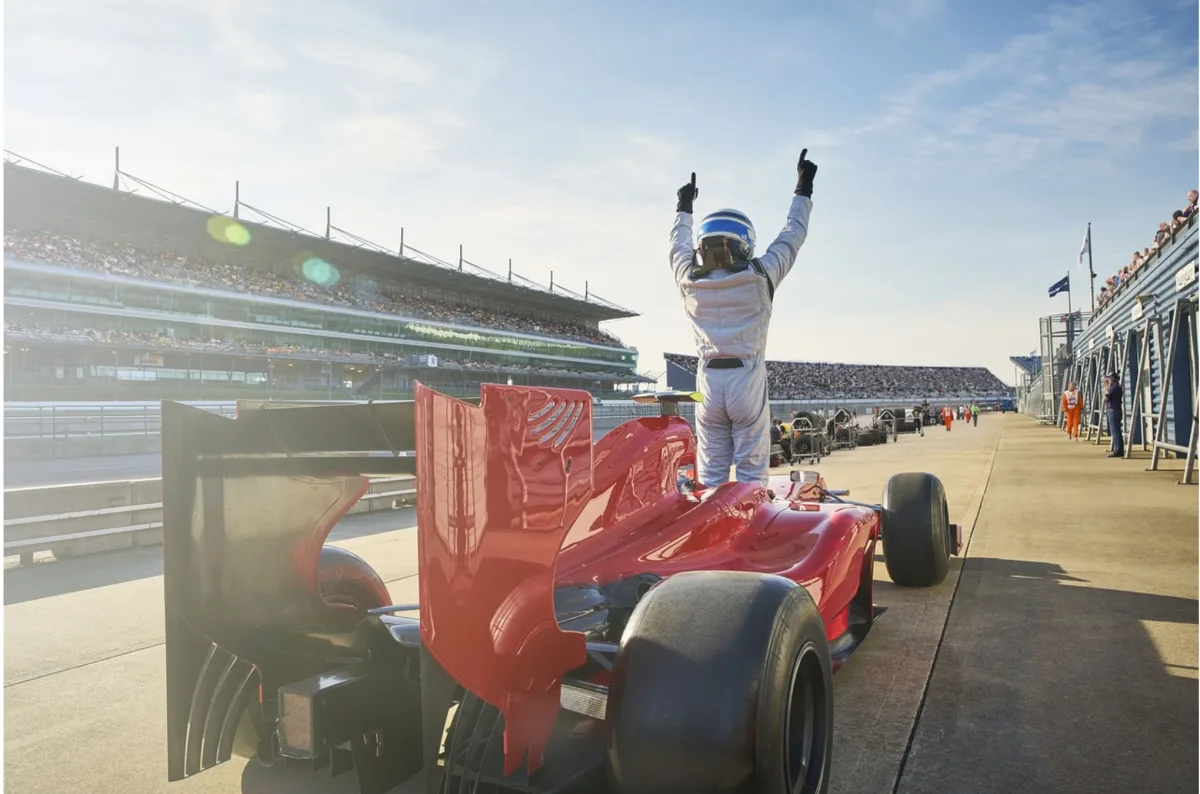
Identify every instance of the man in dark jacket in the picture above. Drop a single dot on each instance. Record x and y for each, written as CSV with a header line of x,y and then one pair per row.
x,y
1114,406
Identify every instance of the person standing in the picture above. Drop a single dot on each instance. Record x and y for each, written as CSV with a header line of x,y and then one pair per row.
x,y
1114,407
975,414
1072,408
948,417
728,294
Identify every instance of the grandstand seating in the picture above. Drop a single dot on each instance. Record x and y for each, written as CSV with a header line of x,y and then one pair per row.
x,y
799,380
106,292
1165,239
159,265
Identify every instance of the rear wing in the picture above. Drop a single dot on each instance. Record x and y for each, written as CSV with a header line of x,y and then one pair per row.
x,y
249,502
669,400
247,505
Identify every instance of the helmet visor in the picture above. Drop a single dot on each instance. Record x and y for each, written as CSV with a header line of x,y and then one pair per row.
x,y
716,252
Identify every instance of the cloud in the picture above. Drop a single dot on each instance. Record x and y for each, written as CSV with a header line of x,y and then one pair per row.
x,y
202,92
1091,74
379,66
235,37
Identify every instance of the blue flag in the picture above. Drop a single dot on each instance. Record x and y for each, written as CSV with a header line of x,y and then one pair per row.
x,y
1060,286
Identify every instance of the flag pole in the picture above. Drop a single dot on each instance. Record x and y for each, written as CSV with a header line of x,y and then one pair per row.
x,y
1070,320
1091,272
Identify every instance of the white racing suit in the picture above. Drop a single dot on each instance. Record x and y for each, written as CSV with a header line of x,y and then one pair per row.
x,y
730,313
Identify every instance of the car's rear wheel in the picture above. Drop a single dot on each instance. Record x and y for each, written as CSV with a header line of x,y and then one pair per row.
x,y
344,579
722,684
348,580
916,530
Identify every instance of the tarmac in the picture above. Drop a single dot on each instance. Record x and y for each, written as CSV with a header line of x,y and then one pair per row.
x,y
1060,655
1069,662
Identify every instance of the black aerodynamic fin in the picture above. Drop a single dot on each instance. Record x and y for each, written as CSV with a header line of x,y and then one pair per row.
x,y
247,506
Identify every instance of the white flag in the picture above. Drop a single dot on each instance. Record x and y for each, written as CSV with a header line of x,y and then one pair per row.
x,y
1083,249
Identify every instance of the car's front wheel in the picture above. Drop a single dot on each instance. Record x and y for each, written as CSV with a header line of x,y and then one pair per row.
x,y
917,537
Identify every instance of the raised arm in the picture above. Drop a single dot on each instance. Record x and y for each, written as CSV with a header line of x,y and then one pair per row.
x,y
683,253
780,255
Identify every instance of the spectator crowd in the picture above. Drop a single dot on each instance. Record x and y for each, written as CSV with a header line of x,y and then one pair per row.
x,y
364,294
801,380
152,341
1119,281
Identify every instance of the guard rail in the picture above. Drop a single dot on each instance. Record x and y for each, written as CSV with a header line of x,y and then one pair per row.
x,y
85,421
73,520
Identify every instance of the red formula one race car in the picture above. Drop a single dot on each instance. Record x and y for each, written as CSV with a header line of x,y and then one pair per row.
x,y
588,621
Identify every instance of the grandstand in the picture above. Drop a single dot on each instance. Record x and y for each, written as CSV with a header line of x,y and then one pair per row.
x,y
111,295
811,381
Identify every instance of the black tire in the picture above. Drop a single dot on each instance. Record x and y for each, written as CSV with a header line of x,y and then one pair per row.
x,y
916,530
347,579
722,684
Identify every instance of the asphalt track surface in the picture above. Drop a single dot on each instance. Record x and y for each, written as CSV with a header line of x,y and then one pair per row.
x,y
1068,662
66,471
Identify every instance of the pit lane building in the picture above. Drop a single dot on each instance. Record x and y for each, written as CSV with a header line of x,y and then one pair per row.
x,y
1148,334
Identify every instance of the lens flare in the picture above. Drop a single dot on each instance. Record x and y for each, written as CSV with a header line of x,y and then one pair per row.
x,y
318,271
227,230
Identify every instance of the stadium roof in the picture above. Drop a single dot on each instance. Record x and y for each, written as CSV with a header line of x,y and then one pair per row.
x,y
175,212
1030,365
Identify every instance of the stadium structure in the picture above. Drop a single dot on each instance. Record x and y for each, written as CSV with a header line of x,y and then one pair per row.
x,y
112,295
822,383
1146,332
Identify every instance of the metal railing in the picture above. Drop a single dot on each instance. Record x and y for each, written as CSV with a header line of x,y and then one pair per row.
x,y
94,528
58,420
30,421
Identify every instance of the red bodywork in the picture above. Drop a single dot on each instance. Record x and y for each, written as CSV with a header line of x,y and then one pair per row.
x,y
514,500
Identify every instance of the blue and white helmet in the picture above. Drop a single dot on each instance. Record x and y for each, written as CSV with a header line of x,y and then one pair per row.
x,y
725,237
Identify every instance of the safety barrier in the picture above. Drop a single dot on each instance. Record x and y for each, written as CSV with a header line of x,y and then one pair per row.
x,y
86,421
72,520
41,421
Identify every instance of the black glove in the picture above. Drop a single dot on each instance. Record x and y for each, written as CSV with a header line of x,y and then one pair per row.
x,y
687,194
806,170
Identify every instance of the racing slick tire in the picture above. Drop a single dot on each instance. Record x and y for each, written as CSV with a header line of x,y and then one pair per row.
x,y
722,684
345,578
916,530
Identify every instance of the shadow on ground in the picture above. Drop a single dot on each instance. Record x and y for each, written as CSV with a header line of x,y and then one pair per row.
x,y
1044,683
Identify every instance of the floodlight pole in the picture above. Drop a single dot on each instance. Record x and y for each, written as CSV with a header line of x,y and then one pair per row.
x,y
237,197
328,222
401,241
117,168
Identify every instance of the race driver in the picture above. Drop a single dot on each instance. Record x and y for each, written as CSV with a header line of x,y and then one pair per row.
x,y
727,294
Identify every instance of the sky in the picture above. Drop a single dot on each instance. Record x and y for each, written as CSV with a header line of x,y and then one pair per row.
x,y
962,146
